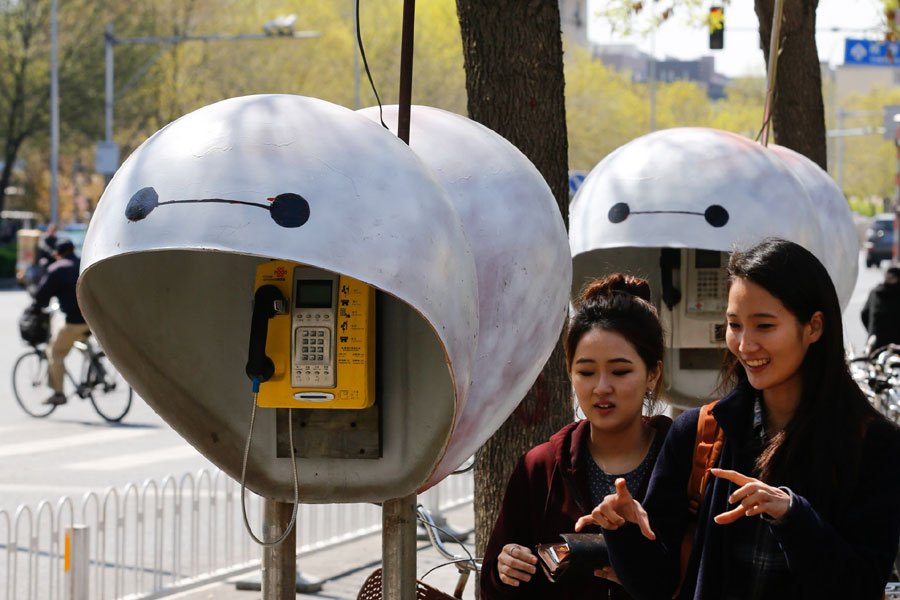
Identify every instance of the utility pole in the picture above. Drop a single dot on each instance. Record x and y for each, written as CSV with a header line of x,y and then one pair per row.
x,y
54,112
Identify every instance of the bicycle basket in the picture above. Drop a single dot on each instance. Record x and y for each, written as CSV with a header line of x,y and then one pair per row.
x,y
371,590
34,326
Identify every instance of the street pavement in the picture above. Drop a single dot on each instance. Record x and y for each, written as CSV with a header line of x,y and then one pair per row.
x,y
74,450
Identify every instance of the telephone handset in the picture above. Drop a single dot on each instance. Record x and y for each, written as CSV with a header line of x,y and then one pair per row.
x,y
319,337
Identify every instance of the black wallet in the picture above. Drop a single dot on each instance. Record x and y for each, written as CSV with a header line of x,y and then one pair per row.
x,y
577,552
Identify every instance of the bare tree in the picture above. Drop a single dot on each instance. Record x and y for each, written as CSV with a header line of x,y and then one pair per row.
x,y
23,95
514,80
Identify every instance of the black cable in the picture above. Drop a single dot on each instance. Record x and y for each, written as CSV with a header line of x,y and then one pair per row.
x,y
467,469
362,53
471,558
436,567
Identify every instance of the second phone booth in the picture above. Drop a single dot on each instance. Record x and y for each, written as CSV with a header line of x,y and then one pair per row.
x,y
669,206
381,295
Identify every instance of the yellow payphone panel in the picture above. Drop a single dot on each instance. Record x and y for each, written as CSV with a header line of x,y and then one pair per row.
x,y
323,341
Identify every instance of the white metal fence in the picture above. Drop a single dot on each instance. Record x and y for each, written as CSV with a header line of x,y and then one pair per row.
x,y
149,540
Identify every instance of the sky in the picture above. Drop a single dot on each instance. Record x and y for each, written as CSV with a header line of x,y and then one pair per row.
x,y
677,38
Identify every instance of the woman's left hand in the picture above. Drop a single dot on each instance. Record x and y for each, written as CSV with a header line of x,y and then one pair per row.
x,y
754,497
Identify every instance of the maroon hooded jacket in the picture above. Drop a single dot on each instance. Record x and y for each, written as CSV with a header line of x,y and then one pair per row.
x,y
547,492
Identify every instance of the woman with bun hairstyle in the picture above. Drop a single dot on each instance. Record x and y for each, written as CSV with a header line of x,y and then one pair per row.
x,y
614,351
804,501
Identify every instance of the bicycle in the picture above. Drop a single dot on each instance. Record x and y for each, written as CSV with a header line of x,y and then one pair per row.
x,y
465,564
99,382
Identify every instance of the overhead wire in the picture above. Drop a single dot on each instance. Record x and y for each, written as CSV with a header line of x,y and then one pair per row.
x,y
362,53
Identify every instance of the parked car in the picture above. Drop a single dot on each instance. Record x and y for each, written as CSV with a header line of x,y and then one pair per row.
x,y
880,239
74,232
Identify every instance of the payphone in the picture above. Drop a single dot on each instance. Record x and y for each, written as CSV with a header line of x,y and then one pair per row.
x,y
696,320
318,334
694,299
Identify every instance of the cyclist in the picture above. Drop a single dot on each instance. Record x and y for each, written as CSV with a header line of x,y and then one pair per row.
x,y
59,281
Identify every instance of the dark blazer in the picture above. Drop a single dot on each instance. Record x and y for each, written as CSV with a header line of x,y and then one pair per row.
x,y
60,281
881,314
547,492
849,556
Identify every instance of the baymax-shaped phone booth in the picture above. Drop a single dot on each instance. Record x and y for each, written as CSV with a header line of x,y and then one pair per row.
x,y
389,304
670,205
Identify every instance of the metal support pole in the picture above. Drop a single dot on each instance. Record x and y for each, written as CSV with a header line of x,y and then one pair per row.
x,y
54,112
774,46
652,81
406,69
356,100
77,562
895,251
108,41
279,563
110,101
398,549
839,158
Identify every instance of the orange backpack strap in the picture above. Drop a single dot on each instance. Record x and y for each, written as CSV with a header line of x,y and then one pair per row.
x,y
707,447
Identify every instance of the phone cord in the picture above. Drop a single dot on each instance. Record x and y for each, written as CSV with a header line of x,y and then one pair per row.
x,y
244,472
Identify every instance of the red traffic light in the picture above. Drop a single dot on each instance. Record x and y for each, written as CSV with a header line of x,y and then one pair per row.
x,y
716,28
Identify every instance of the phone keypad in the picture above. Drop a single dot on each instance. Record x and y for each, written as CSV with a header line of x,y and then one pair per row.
x,y
312,357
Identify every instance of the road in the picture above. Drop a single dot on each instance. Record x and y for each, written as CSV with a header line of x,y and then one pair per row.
x,y
74,451
854,332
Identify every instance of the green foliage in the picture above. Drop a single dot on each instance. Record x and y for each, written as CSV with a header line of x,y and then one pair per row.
x,y
605,109
7,261
157,83
869,161
865,207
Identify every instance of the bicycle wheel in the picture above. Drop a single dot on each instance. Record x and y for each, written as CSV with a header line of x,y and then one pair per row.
x,y
29,379
109,392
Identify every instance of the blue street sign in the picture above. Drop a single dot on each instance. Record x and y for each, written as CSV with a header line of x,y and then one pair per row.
x,y
576,178
872,53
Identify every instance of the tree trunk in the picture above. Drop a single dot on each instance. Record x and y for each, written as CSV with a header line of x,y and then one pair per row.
x,y
512,52
798,113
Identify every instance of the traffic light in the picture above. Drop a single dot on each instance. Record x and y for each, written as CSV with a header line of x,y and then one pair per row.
x,y
716,28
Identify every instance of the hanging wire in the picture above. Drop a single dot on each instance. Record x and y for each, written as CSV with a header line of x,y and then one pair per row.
x,y
290,526
471,559
445,564
362,53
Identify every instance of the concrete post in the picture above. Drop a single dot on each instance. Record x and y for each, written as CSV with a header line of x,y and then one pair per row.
x,y
77,562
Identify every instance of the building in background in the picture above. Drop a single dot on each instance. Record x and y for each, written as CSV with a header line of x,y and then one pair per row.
x,y
627,57
573,16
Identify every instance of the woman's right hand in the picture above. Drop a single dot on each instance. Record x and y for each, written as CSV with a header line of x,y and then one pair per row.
x,y
616,510
516,564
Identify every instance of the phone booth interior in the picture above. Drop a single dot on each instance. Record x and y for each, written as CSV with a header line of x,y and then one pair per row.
x,y
670,205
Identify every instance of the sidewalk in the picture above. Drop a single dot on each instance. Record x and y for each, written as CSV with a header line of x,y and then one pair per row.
x,y
344,568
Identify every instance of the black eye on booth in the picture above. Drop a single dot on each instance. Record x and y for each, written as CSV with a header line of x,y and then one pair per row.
x,y
715,215
287,210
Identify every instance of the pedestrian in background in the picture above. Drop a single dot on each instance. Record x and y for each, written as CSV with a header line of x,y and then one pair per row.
x,y
59,281
881,314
